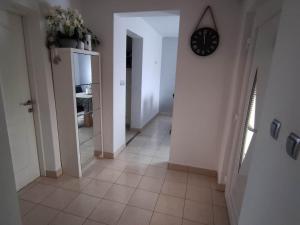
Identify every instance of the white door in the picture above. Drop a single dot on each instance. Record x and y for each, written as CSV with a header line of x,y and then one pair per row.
x,y
262,59
15,91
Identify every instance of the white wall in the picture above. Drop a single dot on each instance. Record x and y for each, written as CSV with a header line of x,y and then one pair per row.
x,y
271,195
201,83
168,74
150,76
136,81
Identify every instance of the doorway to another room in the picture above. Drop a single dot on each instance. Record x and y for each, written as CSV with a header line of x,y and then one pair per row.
x,y
130,131
149,79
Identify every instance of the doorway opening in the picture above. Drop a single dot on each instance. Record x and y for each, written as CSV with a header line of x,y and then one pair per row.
x,y
147,69
132,73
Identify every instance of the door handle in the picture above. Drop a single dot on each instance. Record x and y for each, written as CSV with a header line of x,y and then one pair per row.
x,y
27,103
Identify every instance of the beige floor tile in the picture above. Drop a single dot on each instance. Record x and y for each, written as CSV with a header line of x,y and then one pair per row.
x,y
119,193
147,150
199,180
59,199
109,175
198,212
39,215
162,219
25,206
199,194
129,179
143,199
90,222
188,222
128,157
27,187
103,162
219,198
107,212
139,169
135,216
82,206
176,176
117,165
157,172
170,205
174,189
97,188
151,184
37,193
93,171
74,184
50,181
163,153
220,216
67,219
158,162
143,159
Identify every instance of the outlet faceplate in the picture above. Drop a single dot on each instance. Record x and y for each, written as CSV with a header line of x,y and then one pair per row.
x,y
293,145
275,128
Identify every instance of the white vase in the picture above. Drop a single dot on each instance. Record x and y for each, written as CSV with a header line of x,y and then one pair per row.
x,y
80,45
88,42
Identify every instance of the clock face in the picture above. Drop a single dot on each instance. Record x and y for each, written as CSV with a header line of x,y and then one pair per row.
x,y
204,41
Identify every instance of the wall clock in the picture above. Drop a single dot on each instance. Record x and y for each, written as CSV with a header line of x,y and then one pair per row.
x,y
205,40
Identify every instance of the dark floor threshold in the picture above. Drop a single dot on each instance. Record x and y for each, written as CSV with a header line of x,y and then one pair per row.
x,y
131,139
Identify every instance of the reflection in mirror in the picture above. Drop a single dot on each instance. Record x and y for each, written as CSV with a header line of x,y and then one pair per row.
x,y
84,103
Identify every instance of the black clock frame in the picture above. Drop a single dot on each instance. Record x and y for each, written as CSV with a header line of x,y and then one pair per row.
x,y
207,45
205,41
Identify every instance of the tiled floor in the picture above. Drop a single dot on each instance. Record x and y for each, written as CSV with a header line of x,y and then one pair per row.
x,y
134,189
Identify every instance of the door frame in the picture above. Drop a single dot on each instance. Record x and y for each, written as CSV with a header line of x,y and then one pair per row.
x,y
29,13
259,15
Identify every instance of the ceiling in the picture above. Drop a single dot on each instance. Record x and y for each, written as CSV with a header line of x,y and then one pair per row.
x,y
166,26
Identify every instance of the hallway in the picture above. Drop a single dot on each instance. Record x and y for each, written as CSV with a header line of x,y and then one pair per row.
x,y
134,189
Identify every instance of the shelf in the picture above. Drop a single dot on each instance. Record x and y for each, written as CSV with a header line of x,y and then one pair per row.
x,y
78,51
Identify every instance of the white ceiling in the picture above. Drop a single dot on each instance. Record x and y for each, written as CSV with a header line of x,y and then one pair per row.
x,y
166,26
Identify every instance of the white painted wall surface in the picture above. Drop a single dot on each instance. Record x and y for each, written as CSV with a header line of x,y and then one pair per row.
x,y
271,195
136,79
168,74
150,77
201,83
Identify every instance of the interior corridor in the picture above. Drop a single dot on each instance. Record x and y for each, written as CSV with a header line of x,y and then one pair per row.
x,y
134,189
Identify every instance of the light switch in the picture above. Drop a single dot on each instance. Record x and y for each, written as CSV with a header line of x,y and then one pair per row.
x,y
293,145
275,128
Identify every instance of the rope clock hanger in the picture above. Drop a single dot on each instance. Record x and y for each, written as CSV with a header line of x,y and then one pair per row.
x,y
205,40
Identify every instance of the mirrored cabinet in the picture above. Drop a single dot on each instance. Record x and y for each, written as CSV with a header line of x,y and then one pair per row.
x,y
77,90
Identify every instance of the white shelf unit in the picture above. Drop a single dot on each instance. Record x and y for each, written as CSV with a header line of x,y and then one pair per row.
x,y
65,100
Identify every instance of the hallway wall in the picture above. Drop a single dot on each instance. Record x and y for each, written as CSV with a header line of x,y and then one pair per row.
x,y
201,82
168,74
